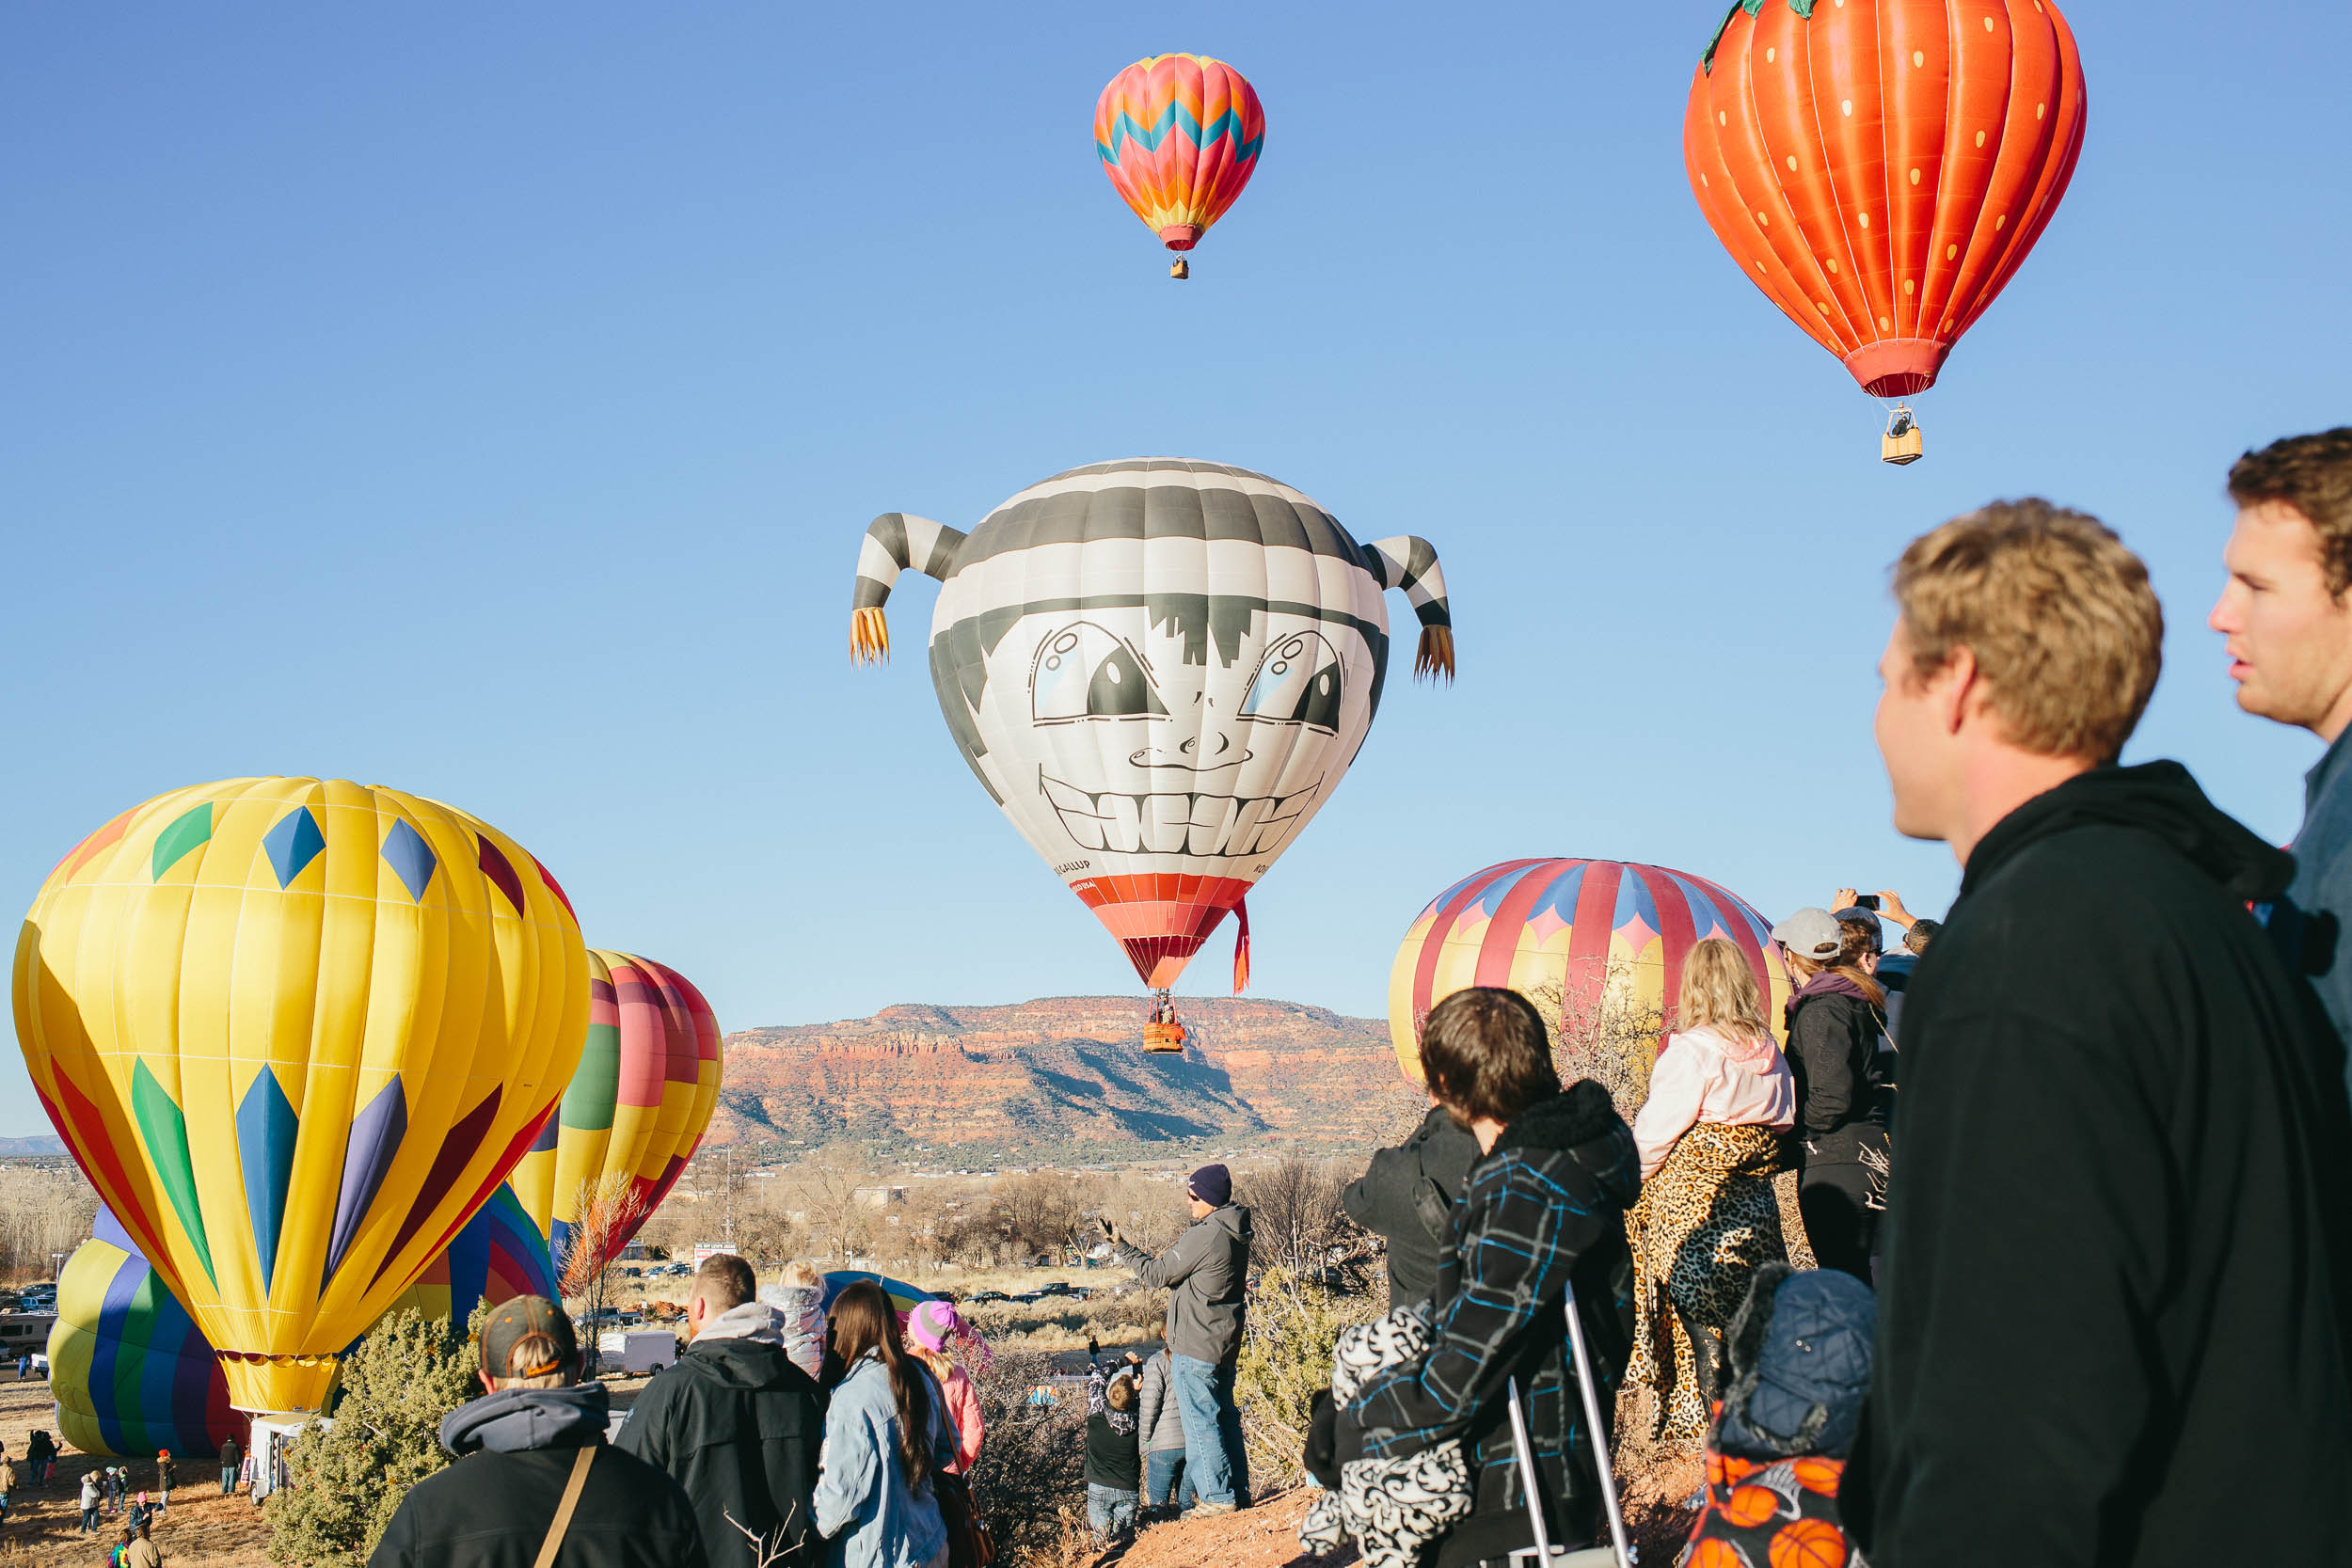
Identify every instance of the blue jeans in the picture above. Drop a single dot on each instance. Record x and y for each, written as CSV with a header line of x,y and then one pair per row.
x,y
1214,1460
1110,1510
1166,1483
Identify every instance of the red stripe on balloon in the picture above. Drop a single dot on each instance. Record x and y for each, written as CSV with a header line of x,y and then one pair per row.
x,y
1433,941
1499,948
1676,927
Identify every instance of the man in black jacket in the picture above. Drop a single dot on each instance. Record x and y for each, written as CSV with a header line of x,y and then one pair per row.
x,y
1405,1199
532,1462
737,1423
2111,1329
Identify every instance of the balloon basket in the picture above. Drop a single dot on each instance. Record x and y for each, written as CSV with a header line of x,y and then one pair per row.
x,y
1161,1031
1901,444
1179,268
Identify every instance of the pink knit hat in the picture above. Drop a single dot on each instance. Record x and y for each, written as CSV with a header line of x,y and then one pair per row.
x,y
932,1324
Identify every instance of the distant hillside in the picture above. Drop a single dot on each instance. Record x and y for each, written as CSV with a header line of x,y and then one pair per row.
x,y
1066,1079
47,1142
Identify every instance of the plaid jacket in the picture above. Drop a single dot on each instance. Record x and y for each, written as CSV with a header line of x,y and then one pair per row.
x,y
1546,1208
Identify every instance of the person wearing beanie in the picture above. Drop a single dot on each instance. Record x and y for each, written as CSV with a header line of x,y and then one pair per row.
x,y
1206,1276
931,1327
537,1482
1798,1356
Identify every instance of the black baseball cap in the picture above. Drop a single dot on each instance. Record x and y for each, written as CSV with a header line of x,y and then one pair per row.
x,y
512,1322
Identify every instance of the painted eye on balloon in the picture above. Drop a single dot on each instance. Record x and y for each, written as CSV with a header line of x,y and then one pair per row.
x,y
1301,681
1083,672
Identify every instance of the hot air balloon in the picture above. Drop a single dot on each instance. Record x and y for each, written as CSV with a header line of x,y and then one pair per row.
x,y
1879,168
635,1110
295,1032
1597,931
498,1255
1160,669
129,1371
1179,136
904,1298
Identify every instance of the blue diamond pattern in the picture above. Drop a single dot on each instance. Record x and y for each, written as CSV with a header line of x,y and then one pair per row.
x,y
293,844
406,852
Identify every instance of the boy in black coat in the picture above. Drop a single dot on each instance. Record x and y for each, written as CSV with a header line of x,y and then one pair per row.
x,y
2111,1329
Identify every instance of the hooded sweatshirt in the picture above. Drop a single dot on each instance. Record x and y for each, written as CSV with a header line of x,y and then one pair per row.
x,y
739,1426
2111,1329
799,1321
1206,1276
1404,1197
1834,1033
515,1449
1544,1211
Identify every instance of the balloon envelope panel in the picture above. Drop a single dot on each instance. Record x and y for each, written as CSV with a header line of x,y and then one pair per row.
x,y
500,1255
641,1099
129,1371
1881,168
1591,928
904,1298
295,1032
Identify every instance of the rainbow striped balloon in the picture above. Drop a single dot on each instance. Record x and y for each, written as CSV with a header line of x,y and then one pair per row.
x,y
1593,929
500,1255
129,1371
1179,136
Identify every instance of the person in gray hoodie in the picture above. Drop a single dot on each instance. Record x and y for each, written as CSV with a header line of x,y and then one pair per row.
x,y
1165,1483
1206,1276
532,1465
736,1420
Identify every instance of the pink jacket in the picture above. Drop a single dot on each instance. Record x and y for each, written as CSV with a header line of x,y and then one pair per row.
x,y
1703,1076
963,1410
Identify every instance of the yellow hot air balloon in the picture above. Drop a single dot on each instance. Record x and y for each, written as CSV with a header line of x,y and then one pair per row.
x,y
297,1032
633,1113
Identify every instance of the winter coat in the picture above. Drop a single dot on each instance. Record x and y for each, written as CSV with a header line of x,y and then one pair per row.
x,y
1114,1458
2109,1328
1704,1075
90,1492
863,1506
1833,1044
1206,1274
1406,1195
1158,1414
1545,1208
493,1507
2313,921
963,1416
229,1455
800,1312
739,1426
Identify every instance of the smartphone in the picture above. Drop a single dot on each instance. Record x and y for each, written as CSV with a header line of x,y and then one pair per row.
x,y
1867,901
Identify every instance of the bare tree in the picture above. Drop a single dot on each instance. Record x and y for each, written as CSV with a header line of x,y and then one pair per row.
x,y
610,1208
1296,1221
1043,1210
823,1189
46,1210
1603,1028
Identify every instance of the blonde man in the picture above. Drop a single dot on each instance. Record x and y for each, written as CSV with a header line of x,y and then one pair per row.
x,y
2109,1328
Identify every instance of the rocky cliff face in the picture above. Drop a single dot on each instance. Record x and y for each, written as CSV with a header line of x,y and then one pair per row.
x,y
1066,1078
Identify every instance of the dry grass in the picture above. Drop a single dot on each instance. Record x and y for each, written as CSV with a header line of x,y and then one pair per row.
x,y
200,1530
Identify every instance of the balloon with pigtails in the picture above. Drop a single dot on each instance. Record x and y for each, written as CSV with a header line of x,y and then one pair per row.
x,y
1160,670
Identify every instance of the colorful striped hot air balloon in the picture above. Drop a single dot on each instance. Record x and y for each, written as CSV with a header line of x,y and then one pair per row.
x,y
129,1371
1881,168
1179,136
297,1032
635,1110
1160,669
500,1255
904,1298
1595,931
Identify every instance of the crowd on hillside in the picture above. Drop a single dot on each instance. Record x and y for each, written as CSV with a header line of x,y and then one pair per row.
x,y
2030,1244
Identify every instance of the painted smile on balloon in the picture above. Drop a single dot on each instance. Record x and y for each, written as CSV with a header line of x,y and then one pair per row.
x,y
1175,823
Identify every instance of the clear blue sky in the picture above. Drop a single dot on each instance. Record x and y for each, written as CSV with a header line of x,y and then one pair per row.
x,y
489,400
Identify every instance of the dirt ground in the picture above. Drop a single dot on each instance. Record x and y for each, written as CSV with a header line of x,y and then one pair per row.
x,y
200,1530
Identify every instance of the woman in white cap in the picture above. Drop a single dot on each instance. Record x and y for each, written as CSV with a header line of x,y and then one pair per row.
x,y
1834,1021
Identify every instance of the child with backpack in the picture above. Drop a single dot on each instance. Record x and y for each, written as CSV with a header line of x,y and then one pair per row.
x,y
1114,1462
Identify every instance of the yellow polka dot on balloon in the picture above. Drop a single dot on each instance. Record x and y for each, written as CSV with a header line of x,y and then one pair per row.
x,y
1980,138
1833,266
1988,24
1918,59
2038,108
1910,286
1915,176
1950,251
1769,54
1999,221
1847,106
1792,163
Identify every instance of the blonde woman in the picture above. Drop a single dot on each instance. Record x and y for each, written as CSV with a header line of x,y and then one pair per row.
x,y
1721,1096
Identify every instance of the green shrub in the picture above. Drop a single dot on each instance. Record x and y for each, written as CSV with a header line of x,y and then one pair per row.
x,y
1285,1359
348,1477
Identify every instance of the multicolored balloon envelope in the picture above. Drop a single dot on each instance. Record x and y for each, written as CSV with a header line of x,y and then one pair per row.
x,y
129,1371
1597,930
1160,669
297,1032
635,1110
1879,168
500,1255
1179,135
904,1298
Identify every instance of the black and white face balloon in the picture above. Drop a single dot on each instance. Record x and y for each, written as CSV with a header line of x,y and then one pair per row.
x,y
1159,668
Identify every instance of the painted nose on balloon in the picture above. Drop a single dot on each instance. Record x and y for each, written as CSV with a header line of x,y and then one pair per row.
x,y
1202,751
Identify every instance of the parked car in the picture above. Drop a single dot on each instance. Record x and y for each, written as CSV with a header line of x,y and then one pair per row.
x,y
979,1297
1058,1288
